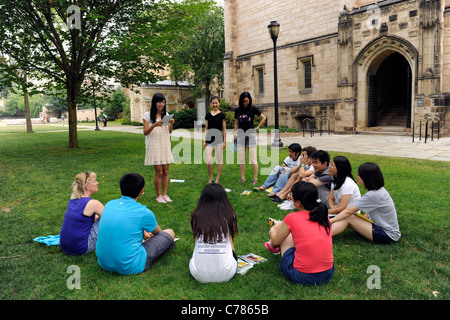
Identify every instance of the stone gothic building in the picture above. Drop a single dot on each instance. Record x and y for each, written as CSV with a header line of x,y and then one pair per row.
x,y
355,65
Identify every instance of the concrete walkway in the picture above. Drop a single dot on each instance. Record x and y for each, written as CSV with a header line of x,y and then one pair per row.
x,y
376,144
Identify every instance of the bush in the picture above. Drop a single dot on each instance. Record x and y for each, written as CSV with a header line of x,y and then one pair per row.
x,y
128,122
185,118
282,129
230,119
116,104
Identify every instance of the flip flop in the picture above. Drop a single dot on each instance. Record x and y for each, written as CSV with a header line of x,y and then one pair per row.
x,y
257,189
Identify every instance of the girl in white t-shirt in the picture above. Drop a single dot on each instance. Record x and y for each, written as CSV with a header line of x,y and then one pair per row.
x,y
344,190
377,205
214,224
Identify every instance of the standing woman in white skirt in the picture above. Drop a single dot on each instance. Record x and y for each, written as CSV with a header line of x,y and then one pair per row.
x,y
158,151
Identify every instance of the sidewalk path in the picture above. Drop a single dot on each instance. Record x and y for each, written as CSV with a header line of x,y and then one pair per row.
x,y
383,145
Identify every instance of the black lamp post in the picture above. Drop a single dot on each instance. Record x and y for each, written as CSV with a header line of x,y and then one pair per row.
x,y
95,107
274,29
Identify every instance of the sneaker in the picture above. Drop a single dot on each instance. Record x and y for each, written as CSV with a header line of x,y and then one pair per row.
x,y
160,199
269,247
282,204
166,198
287,206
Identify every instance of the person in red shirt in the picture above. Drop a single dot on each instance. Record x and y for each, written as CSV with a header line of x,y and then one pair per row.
x,y
305,238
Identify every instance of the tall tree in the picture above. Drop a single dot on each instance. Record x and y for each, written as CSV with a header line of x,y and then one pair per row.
x,y
72,39
201,47
15,74
185,37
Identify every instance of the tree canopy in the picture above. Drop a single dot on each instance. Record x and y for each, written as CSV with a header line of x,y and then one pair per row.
x,y
66,42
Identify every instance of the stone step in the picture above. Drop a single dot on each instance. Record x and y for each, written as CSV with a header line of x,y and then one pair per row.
x,y
387,130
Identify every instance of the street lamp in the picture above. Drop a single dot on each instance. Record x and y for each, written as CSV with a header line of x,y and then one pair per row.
x,y
95,107
274,29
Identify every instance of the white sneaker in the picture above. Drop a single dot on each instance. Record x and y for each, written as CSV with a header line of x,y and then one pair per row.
x,y
288,206
283,203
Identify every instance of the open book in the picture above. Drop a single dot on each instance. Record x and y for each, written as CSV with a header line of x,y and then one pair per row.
x,y
243,266
166,119
247,261
253,258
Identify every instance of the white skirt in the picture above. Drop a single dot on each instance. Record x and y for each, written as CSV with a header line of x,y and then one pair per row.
x,y
158,149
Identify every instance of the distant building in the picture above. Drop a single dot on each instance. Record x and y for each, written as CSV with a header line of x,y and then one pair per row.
x,y
176,97
357,64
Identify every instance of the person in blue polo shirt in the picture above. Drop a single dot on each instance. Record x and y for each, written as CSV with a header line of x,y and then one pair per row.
x,y
120,246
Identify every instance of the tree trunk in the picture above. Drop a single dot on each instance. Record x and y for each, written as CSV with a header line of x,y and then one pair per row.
x,y
27,111
72,111
26,102
207,97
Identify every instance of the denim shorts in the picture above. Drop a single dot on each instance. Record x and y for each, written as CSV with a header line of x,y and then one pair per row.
x,y
379,236
247,140
214,144
156,246
93,235
297,277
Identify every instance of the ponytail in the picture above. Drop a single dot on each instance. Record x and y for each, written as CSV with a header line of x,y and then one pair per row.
x,y
79,185
320,215
307,194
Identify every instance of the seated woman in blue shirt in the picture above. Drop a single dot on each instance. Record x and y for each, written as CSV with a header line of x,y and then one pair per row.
x,y
80,226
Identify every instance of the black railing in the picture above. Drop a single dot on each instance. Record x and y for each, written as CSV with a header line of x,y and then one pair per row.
x,y
429,127
313,125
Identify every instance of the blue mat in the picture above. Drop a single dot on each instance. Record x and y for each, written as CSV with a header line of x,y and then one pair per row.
x,y
48,240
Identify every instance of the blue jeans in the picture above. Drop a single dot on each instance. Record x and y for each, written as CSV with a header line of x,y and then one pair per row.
x,y
277,178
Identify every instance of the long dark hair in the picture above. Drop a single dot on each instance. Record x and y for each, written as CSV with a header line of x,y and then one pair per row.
x,y
247,110
214,216
308,195
157,97
344,170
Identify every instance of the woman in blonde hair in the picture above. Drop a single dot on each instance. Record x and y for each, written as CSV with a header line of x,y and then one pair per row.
x,y
80,226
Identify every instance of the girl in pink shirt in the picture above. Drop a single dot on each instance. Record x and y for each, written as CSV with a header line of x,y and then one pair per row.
x,y
304,238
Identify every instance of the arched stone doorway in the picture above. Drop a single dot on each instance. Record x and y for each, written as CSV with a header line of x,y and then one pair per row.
x,y
385,71
390,93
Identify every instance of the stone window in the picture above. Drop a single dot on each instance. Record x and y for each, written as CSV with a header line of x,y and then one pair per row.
x,y
304,66
258,80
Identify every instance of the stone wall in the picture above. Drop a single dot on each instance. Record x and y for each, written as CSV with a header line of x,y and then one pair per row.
x,y
176,97
344,41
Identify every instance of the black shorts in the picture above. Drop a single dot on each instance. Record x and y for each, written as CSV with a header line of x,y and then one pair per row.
x,y
379,236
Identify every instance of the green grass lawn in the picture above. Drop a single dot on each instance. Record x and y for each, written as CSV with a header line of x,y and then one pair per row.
x,y
36,172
